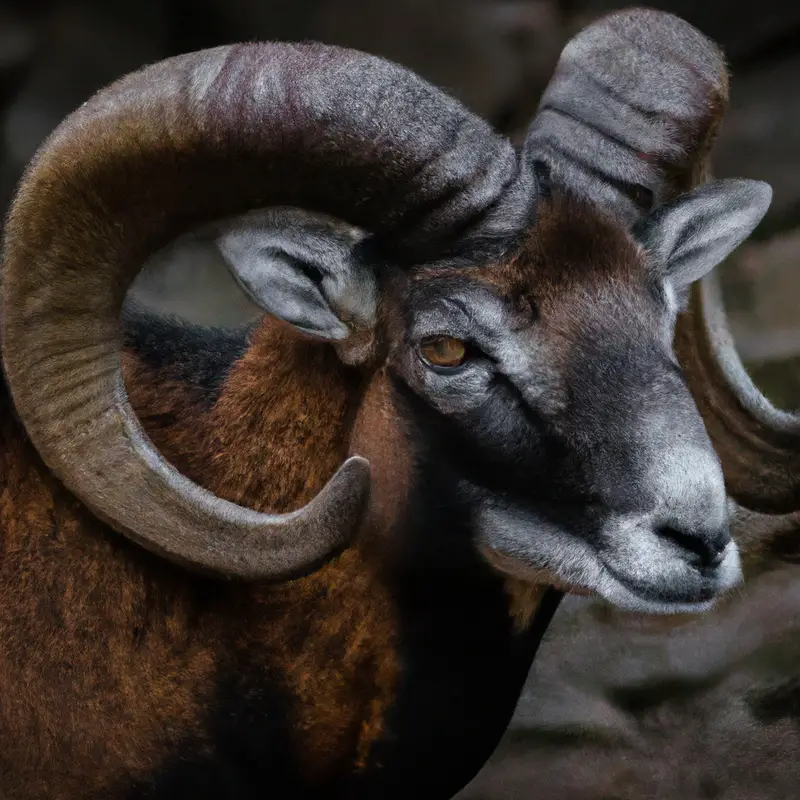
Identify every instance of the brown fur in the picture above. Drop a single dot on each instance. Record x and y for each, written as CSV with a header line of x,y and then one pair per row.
x,y
138,645
379,437
341,672
104,662
128,647
547,265
524,599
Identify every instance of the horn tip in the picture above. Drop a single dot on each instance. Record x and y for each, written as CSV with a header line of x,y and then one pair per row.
x,y
356,466
656,31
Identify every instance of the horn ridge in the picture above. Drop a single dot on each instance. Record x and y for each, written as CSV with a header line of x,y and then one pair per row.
x,y
175,145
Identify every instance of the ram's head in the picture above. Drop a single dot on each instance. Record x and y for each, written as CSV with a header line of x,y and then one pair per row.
x,y
506,319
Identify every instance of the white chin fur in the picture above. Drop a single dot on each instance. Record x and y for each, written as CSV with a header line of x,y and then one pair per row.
x,y
728,576
617,594
575,563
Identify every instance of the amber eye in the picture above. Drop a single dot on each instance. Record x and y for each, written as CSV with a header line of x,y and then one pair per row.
x,y
443,351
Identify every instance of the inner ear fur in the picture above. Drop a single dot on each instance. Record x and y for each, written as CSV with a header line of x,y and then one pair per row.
x,y
692,234
302,268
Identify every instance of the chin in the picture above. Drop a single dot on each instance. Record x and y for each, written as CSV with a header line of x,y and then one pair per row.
x,y
684,594
648,583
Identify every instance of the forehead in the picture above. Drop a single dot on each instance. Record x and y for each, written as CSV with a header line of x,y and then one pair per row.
x,y
574,255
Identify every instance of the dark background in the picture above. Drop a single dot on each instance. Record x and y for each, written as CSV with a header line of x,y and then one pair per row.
x,y
617,708
495,55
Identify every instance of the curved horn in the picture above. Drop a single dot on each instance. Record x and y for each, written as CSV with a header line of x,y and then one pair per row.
x,y
178,144
632,109
758,444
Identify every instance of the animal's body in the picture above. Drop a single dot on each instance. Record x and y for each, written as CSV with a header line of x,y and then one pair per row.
x,y
516,398
229,689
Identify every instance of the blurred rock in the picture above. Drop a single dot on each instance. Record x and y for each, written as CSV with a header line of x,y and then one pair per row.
x,y
624,707
18,39
779,380
192,281
538,32
17,44
489,55
765,278
266,20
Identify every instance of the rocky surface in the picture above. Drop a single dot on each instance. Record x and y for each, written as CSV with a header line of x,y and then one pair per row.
x,y
625,708
616,707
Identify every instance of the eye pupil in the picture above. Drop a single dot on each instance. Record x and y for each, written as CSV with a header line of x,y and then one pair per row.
x,y
444,351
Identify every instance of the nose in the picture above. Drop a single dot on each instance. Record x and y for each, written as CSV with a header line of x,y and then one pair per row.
x,y
702,549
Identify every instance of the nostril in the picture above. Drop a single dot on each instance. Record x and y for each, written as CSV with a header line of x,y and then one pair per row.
x,y
707,549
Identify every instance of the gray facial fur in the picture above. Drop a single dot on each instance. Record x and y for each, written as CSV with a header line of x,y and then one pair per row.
x,y
585,455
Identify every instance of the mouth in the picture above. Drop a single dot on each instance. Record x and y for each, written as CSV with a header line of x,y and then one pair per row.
x,y
679,589
630,595
632,579
618,589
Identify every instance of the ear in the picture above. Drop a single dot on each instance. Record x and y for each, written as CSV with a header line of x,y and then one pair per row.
x,y
688,237
302,268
